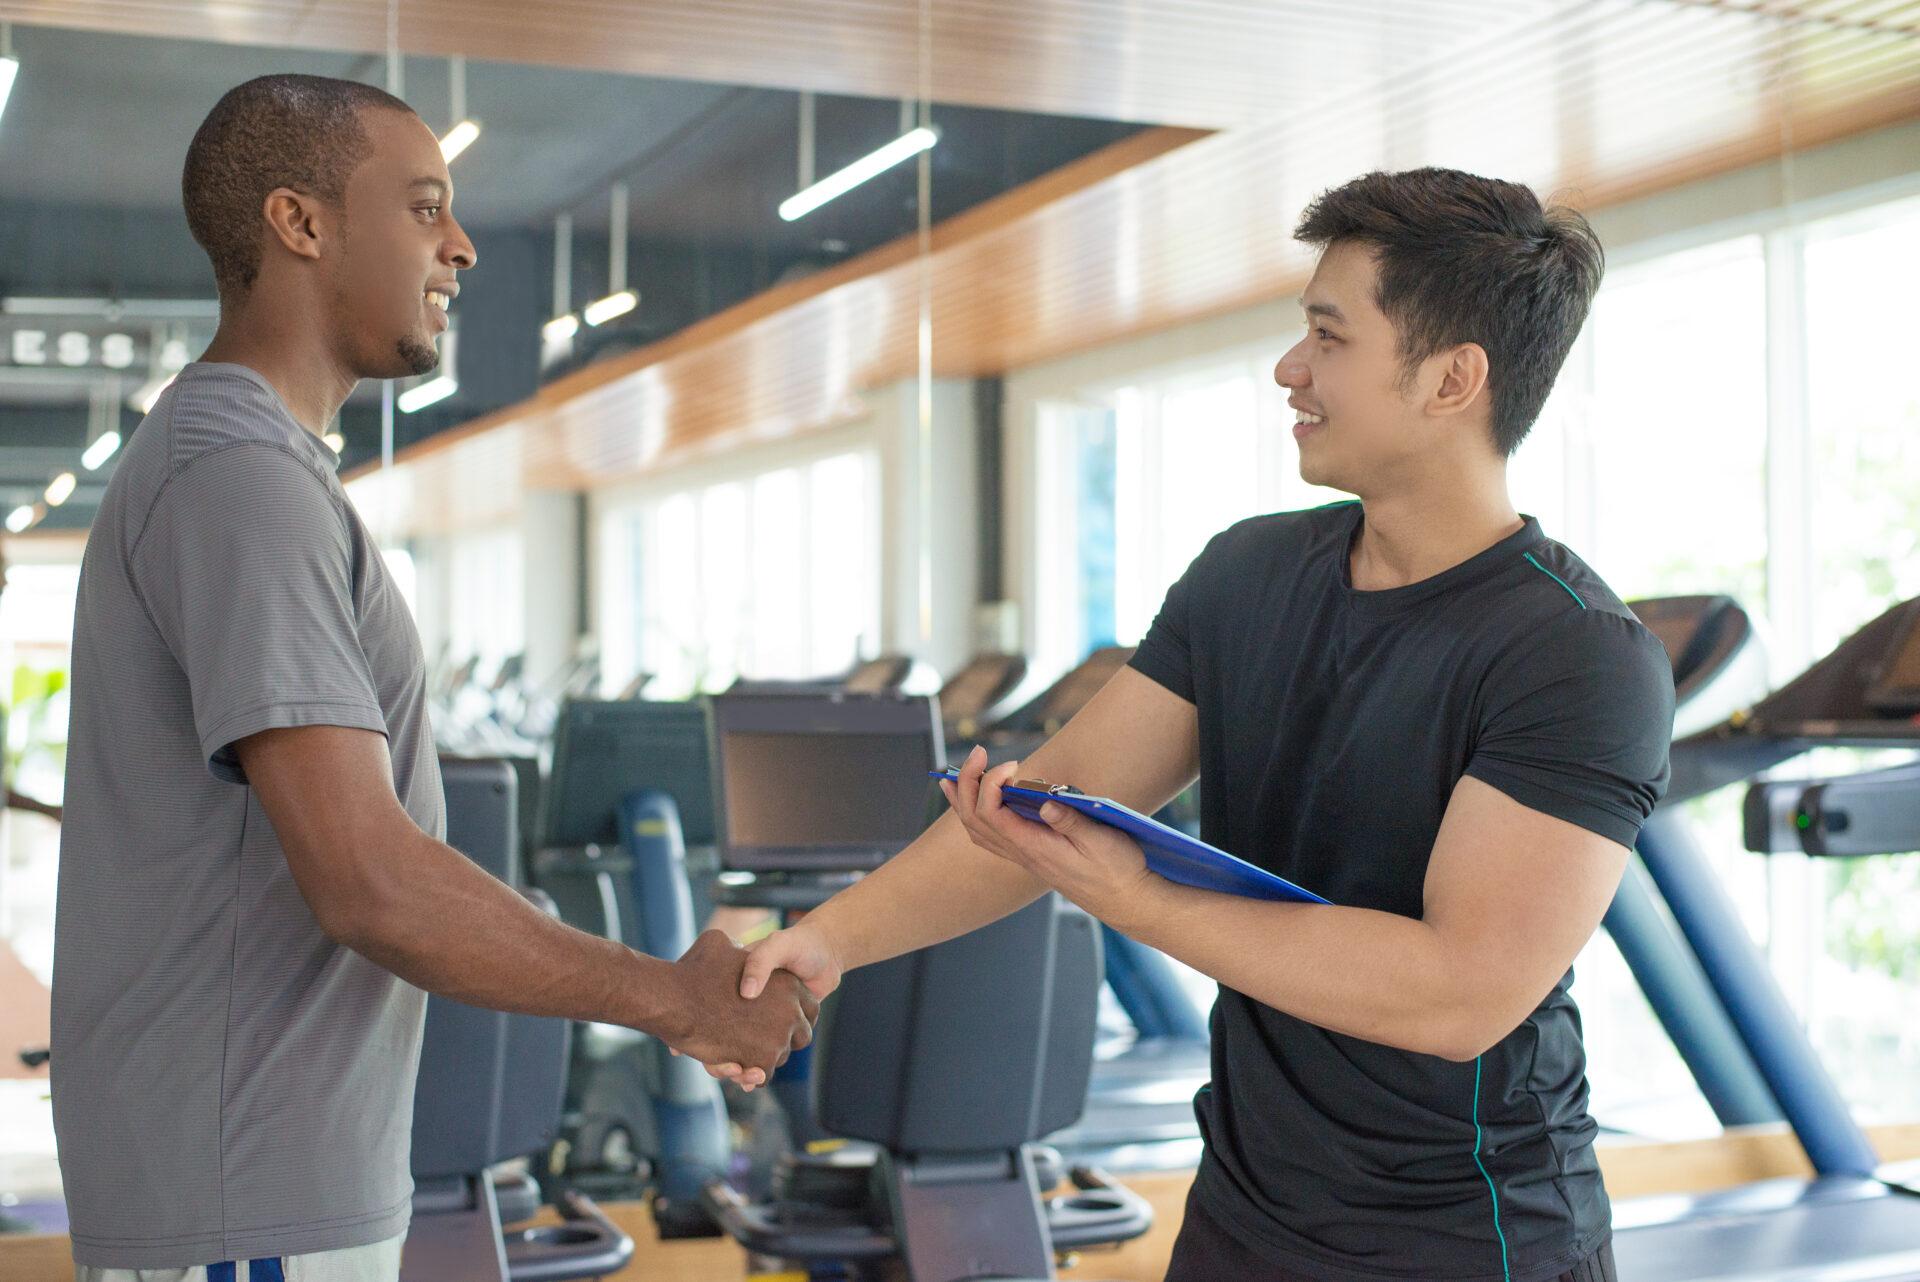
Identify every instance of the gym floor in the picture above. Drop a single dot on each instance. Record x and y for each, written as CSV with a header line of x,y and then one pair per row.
x,y
45,1258
1632,1170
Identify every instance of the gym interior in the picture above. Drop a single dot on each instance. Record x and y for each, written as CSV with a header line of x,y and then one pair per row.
x,y
844,385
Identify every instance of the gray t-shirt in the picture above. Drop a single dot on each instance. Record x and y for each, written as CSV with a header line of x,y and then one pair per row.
x,y
228,1082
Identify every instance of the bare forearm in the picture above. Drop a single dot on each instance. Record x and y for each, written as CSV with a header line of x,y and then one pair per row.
x,y
1372,975
940,887
443,924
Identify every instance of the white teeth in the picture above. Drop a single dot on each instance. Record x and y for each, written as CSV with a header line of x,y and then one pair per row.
x,y
438,300
1311,418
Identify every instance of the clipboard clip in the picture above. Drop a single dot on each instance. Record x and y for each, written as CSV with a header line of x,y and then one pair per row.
x,y
1055,789
1031,785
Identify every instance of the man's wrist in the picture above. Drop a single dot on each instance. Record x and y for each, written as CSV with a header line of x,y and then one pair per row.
x,y
1135,910
655,996
823,922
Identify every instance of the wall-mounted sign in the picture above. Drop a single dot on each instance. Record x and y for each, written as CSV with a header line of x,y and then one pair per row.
x,y
93,347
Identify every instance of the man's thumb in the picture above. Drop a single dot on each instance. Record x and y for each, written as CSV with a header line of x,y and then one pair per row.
x,y
760,964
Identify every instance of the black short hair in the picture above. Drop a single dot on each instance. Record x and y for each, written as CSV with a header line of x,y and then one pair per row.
x,y
1466,259
301,132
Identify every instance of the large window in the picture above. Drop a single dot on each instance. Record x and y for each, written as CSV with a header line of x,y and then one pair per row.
x,y
1860,277
36,627
1143,475
486,610
1675,428
772,575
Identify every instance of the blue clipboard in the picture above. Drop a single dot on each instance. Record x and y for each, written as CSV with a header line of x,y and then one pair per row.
x,y
1170,852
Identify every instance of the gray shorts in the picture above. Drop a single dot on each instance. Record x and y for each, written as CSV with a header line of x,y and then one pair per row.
x,y
378,1262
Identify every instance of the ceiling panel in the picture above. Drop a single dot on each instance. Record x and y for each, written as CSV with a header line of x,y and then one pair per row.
x,y
1207,63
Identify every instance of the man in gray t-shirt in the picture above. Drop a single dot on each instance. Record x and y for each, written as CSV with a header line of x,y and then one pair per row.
x,y
253,887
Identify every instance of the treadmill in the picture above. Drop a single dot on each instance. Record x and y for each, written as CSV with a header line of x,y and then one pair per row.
x,y
969,697
1856,1220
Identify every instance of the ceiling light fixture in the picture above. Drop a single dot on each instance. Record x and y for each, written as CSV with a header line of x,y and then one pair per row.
x,y
600,311
619,300
559,331
21,519
458,139
428,393
100,451
431,391
465,128
871,165
9,65
60,489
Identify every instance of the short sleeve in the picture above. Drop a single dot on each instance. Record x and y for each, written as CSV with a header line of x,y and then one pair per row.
x,y
1165,654
246,566
1578,725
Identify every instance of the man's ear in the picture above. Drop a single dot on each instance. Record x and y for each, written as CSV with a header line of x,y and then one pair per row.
x,y
1463,378
298,221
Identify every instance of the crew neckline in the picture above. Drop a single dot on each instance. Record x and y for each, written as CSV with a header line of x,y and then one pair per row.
x,y
1476,567
259,380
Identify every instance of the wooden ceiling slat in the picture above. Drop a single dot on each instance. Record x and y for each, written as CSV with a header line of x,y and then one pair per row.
x,y
1172,61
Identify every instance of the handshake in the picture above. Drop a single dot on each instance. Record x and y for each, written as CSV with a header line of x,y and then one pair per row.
x,y
741,1012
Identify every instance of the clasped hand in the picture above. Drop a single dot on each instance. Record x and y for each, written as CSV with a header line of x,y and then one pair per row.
x,y
714,1023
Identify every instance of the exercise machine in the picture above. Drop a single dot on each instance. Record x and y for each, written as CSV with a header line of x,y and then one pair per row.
x,y
630,794
1855,1220
947,1067
489,1091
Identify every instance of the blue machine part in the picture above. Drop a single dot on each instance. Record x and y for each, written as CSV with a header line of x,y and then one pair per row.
x,y
1774,1037
1686,1006
689,1112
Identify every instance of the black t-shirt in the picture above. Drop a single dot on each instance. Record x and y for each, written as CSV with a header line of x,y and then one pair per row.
x,y
1334,725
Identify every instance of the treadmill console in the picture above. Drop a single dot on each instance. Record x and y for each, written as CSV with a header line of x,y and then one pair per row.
x,y
1895,691
826,783
1875,813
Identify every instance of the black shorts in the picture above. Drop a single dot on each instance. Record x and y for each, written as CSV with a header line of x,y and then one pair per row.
x,y
1205,1252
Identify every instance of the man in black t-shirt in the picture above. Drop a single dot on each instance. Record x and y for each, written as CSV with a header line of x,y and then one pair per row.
x,y
1416,704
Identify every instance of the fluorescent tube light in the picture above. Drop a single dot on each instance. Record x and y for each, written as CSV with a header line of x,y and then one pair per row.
x,y
458,139
100,451
605,309
9,68
428,393
909,144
